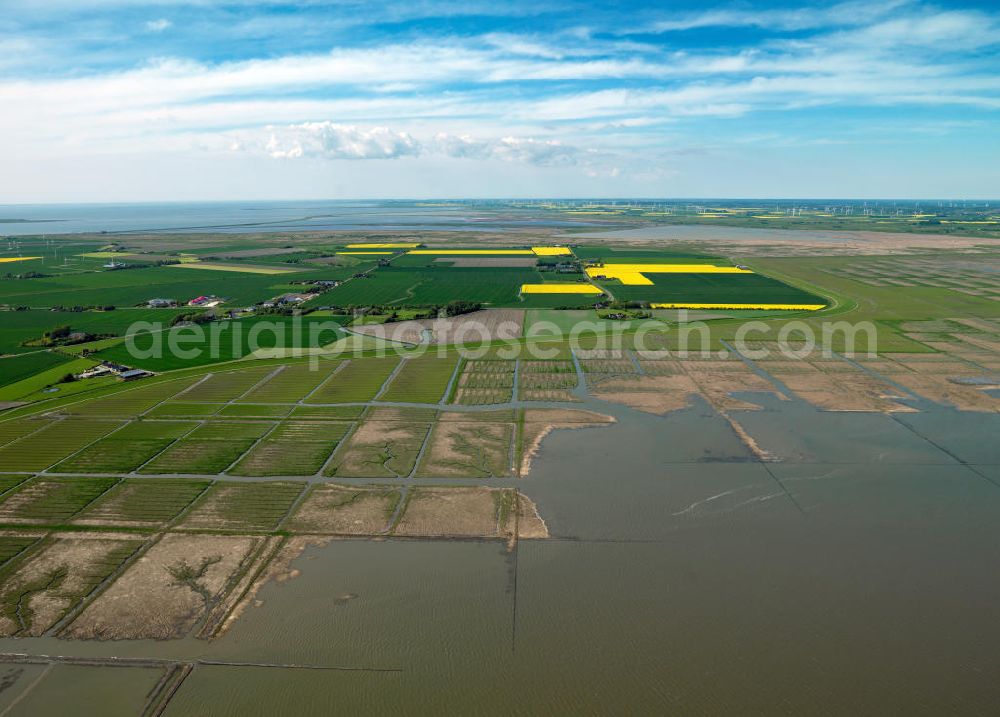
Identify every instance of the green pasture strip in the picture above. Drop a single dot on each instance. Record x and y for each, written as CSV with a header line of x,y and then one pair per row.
x,y
359,381
17,327
216,342
230,430
227,385
143,500
293,448
13,545
53,443
17,368
433,286
136,286
421,380
52,500
292,383
197,457
12,430
327,413
182,409
711,288
180,379
244,410
131,403
230,505
42,379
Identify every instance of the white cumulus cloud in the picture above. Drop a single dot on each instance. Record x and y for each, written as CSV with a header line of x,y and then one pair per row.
x,y
329,140
539,152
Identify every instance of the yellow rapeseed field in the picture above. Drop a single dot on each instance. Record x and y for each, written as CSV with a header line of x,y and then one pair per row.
x,y
363,253
776,307
551,250
633,274
9,259
559,289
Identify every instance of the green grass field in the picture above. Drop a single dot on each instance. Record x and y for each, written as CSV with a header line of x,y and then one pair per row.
x,y
136,286
227,385
183,409
185,346
359,381
17,327
434,285
292,383
711,288
244,410
327,413
53,443
421,380
146,501
126,449
51,500
294,448
208,449
244,506
43,378
15,368
13,545
13,430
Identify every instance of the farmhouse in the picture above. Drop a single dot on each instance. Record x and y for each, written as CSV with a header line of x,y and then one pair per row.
x,y
206,302
161,303
94,372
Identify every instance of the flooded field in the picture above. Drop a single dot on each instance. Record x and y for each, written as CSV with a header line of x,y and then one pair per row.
x,y
853,571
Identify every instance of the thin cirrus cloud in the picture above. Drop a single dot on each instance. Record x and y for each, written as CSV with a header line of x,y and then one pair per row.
x,y
158,25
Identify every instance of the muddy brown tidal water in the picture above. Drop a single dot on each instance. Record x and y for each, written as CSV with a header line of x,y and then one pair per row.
x,y
856,574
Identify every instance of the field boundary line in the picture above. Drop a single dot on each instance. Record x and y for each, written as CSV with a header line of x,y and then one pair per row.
x,y
117,481
166,689
181,393
581,378
450,389
321,473
635,362
395,372
420,454
760,371
294,505
29,689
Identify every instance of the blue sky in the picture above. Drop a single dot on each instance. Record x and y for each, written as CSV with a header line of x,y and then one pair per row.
x,y
119,100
